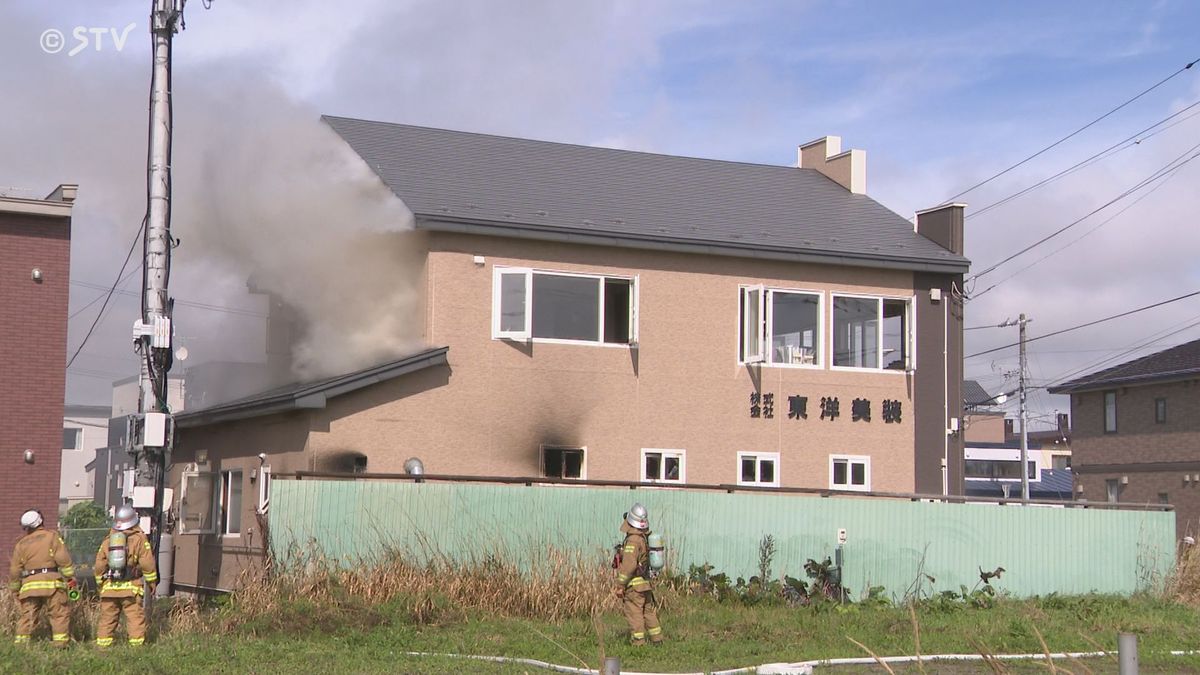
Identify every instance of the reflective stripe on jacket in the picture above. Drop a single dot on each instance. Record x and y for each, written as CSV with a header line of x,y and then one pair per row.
x,y
40,550
139,560
634,556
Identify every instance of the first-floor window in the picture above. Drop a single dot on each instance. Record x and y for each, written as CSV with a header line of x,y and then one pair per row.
x,y
758,468
1112,488
850,472
264,490
231,502
562,462
663,466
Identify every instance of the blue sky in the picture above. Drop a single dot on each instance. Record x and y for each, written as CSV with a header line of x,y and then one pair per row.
x,y
939,94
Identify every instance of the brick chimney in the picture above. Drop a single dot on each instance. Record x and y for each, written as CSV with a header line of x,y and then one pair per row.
x,y
848,169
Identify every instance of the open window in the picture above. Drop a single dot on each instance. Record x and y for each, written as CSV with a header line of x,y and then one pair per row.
x,y
753,313
563,462
539,305
231,503
780,326
663,466
196,503
264,490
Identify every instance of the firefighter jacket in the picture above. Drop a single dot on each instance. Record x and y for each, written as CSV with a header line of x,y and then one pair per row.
x,y
40,565
139,565
635,556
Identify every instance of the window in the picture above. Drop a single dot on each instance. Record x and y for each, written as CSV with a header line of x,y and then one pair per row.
x,y
563,462
998,469
1164,498
72,439
231,502
1110,412
1160,411
758,468
264,490
871,333
663,466
196,503
559,306
1113,488
849,472
359,465
1060,462
787,323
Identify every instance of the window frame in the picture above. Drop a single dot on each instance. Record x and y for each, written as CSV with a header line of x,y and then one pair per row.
x,y
909,338
210,508
526,333
582,465
759,458
77,432
680,455
1104,413
1160,410
1111,495
850,461
223,512
766,325
264,490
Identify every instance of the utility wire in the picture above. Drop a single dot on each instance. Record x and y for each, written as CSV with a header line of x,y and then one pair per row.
x,y
1131,141
1173,165
1155,337
1085,234
98,298
1076,132
137,237
1085,325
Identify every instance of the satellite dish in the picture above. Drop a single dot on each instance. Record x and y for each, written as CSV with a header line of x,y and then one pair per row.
x,y
181,353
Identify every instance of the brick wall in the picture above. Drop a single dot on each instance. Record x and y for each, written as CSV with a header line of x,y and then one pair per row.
x,y
1141,448
33,336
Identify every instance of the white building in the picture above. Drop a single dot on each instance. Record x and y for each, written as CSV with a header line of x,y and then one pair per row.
x,y
85,429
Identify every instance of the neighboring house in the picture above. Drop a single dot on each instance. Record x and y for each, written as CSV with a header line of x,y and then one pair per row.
x,y
982,423
994,469
1056,442
1135,435
35,257
607,314
85,430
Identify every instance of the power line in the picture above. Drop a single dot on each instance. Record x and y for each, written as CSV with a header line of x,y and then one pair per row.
x,y
1150,341
186,303
1085,325
1076,132
81,310
1171,166
109,295
1131,141
1085,234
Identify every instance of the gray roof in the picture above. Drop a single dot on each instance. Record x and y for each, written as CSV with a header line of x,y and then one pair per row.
x,y
460,181
313,394
1180,361
974,395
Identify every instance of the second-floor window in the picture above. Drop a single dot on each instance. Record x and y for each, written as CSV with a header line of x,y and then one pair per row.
x,y
1160,411
871,333
1110,412
530,304
780,326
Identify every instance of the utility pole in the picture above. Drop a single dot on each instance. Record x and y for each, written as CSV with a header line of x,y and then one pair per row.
x,y
152,333
1024,416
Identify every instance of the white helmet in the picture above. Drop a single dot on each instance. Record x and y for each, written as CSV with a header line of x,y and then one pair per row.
x,y
124,518
31,520
638,517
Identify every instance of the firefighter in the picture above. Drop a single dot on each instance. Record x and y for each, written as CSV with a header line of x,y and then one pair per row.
x,y
125,572
39,573
633,582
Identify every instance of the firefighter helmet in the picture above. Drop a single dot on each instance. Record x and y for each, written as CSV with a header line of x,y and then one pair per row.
x,y
31,520
638,517
124,517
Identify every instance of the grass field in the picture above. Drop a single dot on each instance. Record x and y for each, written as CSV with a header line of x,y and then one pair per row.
x,y
703,635
330,619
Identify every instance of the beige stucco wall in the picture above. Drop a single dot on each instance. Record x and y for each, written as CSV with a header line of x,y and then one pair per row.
x,y
682,388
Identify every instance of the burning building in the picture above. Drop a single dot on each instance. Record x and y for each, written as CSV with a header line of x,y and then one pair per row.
x,y
589,313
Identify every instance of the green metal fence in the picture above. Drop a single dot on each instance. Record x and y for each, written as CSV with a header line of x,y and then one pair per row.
x,y
891,543
83,544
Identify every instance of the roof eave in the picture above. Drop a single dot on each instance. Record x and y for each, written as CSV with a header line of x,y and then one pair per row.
x,y
314,397
1137,380
625,240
